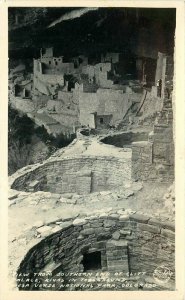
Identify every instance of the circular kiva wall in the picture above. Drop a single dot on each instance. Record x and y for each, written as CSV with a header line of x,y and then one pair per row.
x,y
78,174
113,243
125,139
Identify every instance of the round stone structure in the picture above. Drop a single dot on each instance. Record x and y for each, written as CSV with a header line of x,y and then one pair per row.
x,y
122,248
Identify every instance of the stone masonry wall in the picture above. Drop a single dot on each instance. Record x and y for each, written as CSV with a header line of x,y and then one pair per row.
x,y
68,118
155,159
24,105
105,101
142,163
79,174
128,243
160,149
58,107
152,162
57,67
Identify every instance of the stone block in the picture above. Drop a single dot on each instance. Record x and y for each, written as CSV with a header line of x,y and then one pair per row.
x,y
55,241
150,228
80,237
114,262
85,248
63,200
118,266
100,230
56,229
163,224
121,211
135,156
154,221
160,150
119,253
116,244
87,226
122,257
128,193
169,225
124,218
139,218
84,173
56,196
97,225
104,193
99,245
83,185
103,236
103,216
125,232
33,184
147,236
67,218
87,231
104,264
168,233
44,230
114,217
67,195
116,235
78,222
64,224
109,223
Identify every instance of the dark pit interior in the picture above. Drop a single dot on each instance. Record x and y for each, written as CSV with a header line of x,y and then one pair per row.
x,y
92,261
125,139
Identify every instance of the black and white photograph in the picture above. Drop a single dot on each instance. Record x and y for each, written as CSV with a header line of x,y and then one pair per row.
x,y
91,148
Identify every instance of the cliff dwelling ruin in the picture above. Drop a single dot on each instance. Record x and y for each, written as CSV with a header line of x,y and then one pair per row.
x,y
98,214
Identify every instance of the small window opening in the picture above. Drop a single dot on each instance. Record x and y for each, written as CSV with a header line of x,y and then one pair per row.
x,y
27,93
56,63
101,69
50,62
92,261
101,120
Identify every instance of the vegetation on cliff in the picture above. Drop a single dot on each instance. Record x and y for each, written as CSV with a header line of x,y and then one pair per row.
x,y
28,143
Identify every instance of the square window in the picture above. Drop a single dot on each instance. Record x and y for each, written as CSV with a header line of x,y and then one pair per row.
x,y
101,120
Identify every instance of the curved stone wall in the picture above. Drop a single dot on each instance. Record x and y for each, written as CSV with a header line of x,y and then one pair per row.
x,y
128,243
125,139
83,174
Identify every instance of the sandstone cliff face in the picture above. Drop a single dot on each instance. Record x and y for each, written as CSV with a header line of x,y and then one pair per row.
x,y
94,32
